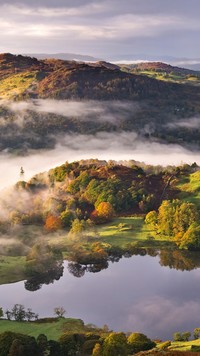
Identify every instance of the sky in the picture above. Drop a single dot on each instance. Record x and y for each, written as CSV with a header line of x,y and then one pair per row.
x,y
104,29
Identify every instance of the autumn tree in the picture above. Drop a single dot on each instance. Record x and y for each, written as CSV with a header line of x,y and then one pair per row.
x,y
97,350
103,213
191,239
151,219
53,223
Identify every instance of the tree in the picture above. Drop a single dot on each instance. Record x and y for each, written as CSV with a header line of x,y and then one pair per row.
x,y
29,314
105,211
115,344
78,226
53,223
177,336
191,238
71,343
152,219
67,217
186,335
59,311
139,342
1,312
17,348
97,350
15,344
18,312
21,172
8,314
42,343
196,333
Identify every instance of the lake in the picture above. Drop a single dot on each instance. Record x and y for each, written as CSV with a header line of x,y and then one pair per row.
x,y
135,294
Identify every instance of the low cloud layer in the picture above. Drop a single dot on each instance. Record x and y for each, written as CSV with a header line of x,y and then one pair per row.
x,y
112,111
192,123
107,146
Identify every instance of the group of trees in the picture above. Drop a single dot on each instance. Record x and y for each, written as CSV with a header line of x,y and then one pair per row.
x,y
88,344
75,190
19,313
185,336
177,220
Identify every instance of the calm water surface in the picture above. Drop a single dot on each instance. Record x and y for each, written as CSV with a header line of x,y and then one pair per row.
x,y
135,294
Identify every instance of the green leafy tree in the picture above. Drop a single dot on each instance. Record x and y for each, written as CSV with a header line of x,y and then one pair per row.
x,y
177,336
67,218
196,333
152,219
42,343
15,344
71,344
115,344
18,312
191,238
186,335
139,342
1,312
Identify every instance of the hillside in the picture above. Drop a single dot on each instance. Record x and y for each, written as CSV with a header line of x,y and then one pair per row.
x,y
165,72
76,190
26,77
97,97
162,67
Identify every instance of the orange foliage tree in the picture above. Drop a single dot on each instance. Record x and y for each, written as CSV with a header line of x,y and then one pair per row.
x,y
103,213
53,223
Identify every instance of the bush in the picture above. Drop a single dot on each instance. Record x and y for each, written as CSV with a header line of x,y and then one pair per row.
x,y
139,342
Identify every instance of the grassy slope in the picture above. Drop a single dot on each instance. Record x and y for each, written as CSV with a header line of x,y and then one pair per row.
x,y
190,188
53,330
11,269
173,78
182,345
17,84
135,231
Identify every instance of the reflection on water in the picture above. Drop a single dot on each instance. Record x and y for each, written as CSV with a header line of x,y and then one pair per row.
x,y
46,271
154,295
178,259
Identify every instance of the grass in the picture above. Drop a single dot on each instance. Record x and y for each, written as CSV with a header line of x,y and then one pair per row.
x,y
52,329
184,346
190,188
171,77
11,269
17,84
134,230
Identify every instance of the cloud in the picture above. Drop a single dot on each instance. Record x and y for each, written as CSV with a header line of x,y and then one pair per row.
x,y
113,111
191,123
162,315
107,146
94,27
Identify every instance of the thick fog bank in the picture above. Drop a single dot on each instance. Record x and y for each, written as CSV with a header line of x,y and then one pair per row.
x,y
107,146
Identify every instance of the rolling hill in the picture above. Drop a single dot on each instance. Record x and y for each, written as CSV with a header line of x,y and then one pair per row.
x,y
143,100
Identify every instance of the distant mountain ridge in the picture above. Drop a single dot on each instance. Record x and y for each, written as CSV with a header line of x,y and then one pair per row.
x,y
27,77
163,67
64,56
